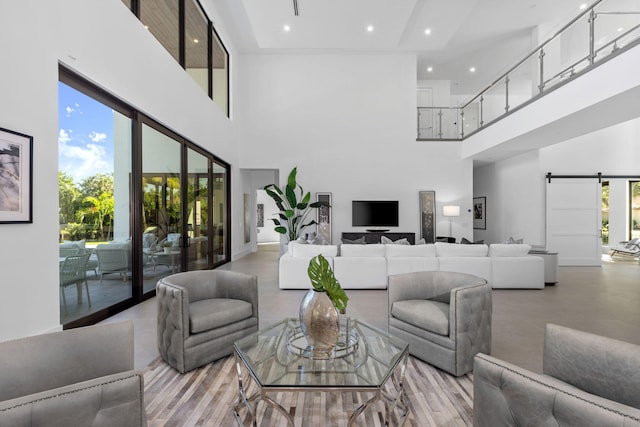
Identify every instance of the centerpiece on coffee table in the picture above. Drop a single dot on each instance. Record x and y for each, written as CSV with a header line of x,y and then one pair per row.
x,y
321,308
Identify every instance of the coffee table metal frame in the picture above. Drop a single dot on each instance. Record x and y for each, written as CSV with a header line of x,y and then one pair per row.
x,y
300,370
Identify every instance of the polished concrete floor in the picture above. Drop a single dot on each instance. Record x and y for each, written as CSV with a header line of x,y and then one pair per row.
x,y
603,300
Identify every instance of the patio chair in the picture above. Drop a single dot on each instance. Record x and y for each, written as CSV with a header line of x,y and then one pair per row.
x,y
113,258
630,248
73,271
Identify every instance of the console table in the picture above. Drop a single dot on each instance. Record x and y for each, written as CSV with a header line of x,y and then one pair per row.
x,y
372,237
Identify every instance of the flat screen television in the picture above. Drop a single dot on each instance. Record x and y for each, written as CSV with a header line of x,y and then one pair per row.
x,y
374,213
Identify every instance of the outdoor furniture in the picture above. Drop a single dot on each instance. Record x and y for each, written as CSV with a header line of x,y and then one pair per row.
x,y
587,380
114,258
627,248
201,313
73,271
444,316
77,377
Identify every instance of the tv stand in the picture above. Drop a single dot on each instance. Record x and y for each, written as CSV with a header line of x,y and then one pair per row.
x,y
372,237
377,231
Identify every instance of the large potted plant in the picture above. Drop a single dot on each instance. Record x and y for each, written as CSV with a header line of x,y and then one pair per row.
x,y
320,308
294,205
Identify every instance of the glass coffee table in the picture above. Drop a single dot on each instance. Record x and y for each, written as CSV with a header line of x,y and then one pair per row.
x,y
277,360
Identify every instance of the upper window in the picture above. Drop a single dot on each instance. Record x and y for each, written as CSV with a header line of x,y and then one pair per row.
x,y
185,30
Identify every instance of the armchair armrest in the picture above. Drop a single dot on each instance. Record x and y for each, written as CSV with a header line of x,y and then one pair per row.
x,y
599,365
116,400
173,320
470,314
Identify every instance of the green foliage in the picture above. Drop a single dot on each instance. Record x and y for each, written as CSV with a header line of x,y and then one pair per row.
x,y
294,207
68,197
323,280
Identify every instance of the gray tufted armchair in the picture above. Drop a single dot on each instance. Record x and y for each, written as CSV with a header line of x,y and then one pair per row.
x,y
201,314
444,316
588,380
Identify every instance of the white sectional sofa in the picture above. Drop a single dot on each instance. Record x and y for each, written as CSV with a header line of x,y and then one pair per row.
x,y
368,266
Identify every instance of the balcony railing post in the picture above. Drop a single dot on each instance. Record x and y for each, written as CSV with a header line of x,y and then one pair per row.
x,y
506,87
481,111
440,123
461,124
592,22
541,61
418,122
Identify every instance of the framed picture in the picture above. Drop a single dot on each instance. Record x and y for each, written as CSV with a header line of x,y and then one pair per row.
x,y
480,213
324,218
260,217
427,202
16,176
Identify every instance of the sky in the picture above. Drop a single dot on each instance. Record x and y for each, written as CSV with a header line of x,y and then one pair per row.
x,y
85,136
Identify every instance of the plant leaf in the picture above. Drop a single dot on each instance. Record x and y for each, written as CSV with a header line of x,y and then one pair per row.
x,y
323,279
291,196
280,230
291,180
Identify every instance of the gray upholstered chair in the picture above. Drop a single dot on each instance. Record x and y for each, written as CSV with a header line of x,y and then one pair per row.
x,y
201,313
78,377
444,316
588,380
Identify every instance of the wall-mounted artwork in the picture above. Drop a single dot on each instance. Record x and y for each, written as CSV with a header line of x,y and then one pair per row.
x,y
428,216
247,219
324,218
480,213
16,162
260,217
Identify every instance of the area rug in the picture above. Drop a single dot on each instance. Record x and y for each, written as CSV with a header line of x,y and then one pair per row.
x,y
206,396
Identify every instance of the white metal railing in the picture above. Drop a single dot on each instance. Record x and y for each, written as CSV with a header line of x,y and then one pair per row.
x,y
589,39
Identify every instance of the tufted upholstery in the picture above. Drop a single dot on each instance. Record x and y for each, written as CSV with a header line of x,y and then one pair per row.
x,y
460,308
588,380
77,377
201,314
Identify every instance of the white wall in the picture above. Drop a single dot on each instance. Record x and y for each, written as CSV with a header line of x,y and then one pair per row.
x,y
348,123
105,43
515,188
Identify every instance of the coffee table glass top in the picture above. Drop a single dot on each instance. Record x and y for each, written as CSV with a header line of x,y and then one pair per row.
x,y
273,362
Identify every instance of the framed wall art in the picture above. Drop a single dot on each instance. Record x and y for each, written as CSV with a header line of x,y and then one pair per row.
x,y
480,213
16,177
427,202
247,218
324,218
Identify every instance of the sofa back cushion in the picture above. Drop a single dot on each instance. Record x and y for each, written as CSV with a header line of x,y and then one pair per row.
x,y
376,250
392,251
300,250
455,250
508,250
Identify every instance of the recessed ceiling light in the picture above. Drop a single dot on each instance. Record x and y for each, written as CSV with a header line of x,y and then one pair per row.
x,y
583,6
620,29
429,69
146,27
370,28
196,40
287,28
427,31
472,69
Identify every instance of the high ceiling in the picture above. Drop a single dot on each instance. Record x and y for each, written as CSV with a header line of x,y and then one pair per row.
x,y
490,35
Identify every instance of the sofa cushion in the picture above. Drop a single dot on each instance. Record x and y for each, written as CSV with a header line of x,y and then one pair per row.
x,y
299,250
213,313
454,250
410,251
387,241
376,250
429,315
358,241
508,250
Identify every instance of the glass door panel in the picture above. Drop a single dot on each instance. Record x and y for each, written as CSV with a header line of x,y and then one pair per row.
x,y
94,168
219,211
162,204
197,211
634,204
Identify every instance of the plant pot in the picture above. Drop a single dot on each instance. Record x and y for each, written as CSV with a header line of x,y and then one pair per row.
x,y
320,323
167,250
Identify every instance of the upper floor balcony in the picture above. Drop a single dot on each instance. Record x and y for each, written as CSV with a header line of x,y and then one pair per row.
x,y
601,32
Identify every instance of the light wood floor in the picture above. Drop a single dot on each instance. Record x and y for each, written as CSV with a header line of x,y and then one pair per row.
x,y
603,300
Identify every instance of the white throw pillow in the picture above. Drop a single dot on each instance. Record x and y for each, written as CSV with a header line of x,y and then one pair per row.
x,y
387,241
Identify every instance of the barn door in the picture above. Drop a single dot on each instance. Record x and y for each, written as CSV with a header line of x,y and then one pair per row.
x,y
574,221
